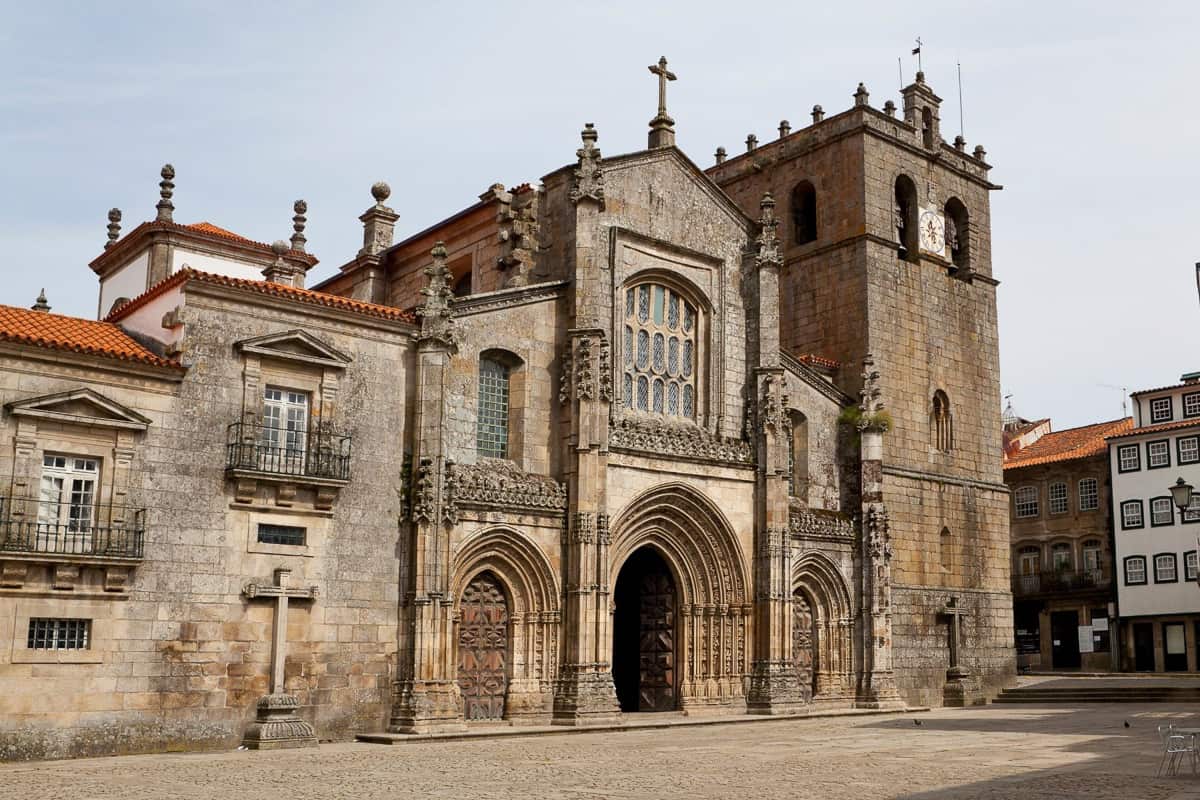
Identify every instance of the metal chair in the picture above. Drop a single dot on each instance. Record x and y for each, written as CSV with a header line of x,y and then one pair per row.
x,y
1175,747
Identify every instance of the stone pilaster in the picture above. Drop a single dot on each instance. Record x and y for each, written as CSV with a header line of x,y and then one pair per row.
x,y
584,693
426,694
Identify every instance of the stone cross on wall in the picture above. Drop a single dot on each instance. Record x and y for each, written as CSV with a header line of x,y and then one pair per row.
x,y
953,612
277,725
662,127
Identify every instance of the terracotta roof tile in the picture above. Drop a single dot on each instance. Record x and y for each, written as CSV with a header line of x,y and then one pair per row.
x,y
208,227
1162,426
267,288
56,332
1068,445
814,360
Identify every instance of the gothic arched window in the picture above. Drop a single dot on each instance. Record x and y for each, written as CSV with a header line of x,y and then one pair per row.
x,y
798,456
957,233
804,212
904,218
660,351
491,428
942,422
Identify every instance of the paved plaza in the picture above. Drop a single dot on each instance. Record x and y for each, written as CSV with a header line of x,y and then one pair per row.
x,y
992,753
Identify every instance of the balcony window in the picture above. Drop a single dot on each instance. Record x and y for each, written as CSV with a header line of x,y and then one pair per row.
x,y
1060,557
67,504
1091,556
284,430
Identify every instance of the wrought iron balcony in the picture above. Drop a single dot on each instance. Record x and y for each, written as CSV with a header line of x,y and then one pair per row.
x,y
30,525
1060,582
318,453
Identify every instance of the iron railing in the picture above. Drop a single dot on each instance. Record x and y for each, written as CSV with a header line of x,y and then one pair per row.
x,y
34,525
316,453
1058,581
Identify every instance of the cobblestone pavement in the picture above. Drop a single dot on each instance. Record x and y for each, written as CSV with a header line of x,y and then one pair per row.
x,y
992,753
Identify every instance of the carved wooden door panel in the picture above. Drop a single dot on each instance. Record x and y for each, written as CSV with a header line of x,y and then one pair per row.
x,y
483,649
656,691
803,642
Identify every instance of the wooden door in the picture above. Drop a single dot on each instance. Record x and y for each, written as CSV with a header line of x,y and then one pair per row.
x,y
483,649
656,690
803,643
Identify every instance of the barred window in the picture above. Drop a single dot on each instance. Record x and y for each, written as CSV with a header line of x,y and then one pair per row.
x,y
59,634
282,534
660,361
1131,514
1027,502
1089,494
1162,511
1135,570
491,435
1058,498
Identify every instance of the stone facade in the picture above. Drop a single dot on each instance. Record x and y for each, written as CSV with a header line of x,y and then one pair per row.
x,y
619,443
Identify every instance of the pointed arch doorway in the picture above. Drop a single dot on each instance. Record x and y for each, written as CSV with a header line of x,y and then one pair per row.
x,y
644,634
483,648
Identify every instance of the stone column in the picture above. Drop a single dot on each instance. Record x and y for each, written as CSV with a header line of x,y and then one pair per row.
x,y
774,684
427,698
584,692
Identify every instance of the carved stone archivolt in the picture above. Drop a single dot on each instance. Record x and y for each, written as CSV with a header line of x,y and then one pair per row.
x,y
532,593
499,484
817,578
699,546
668,439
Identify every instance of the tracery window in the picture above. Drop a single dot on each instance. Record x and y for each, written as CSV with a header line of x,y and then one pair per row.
x,y
660,350
491,432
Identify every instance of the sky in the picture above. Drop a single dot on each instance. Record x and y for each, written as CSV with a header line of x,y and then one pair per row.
x,y
1087,110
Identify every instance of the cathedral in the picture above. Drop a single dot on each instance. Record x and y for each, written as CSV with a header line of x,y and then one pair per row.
x,y
643,436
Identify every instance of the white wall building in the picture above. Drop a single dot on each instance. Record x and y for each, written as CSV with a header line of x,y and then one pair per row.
x,y
1155,544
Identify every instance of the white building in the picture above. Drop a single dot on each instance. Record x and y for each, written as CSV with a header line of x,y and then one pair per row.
x,y
1155,543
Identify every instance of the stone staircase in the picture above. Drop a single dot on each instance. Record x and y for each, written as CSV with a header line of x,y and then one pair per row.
x,y
1130,692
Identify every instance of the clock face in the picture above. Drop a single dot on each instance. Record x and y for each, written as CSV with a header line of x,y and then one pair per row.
x,y
933,233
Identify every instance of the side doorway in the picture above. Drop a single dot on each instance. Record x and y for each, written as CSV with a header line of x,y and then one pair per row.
x,y
1143,647
1064,636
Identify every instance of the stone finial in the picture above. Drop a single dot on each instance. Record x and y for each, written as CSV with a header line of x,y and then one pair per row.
x,y
588,181
889,108
980,153
768,236
720,155
379,222
861,96
41,304
960,144
166,190
785,128
114,227
818,113
751,142
298,223
662,127
437,312
920,76
283,271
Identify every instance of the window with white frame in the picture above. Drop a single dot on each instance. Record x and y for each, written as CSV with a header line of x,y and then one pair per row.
x,y
1057,498
1188,449
1089,494
661,352
1060,557
1165,570
58,634
67,502
1091,549
1191,404
1135,570
1158,454
1027,502
1191,565
1131,514
1162,511
1160,409
282,439
1192,512
1129,458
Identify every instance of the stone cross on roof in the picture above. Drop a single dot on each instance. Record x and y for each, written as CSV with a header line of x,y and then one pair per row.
x,y
662,127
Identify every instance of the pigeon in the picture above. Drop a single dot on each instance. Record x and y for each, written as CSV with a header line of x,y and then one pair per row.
x,y
1126,723
917,722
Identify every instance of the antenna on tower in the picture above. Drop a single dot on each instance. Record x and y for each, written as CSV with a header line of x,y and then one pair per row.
x,y
960,105
1124,396
900,68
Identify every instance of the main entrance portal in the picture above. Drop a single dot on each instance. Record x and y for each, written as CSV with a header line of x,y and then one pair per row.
x,y
644,634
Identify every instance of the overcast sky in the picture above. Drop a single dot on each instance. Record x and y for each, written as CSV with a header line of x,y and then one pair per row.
x,y
1088,111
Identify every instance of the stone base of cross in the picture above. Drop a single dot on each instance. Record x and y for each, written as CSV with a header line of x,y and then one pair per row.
x,y
961,687
277,725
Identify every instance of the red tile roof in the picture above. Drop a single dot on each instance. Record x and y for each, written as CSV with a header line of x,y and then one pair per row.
x,y
1162,426
127,243
1068,445
814,360
208,227
267,288
56,332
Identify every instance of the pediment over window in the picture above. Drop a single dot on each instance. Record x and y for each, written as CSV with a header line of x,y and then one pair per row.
x,y
296,345
81,407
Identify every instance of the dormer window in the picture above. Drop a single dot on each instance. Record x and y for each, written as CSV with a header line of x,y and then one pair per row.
x,y
660,351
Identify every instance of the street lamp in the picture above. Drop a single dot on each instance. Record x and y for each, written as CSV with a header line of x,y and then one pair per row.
x,y
1181,493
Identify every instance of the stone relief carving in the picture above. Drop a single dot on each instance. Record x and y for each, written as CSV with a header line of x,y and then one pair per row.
x,y
819,523
437,316
499,483
768,238
680,440
772,406
583,528
584,383
879,539
423,492
450,493
606,382
565,376
588,183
